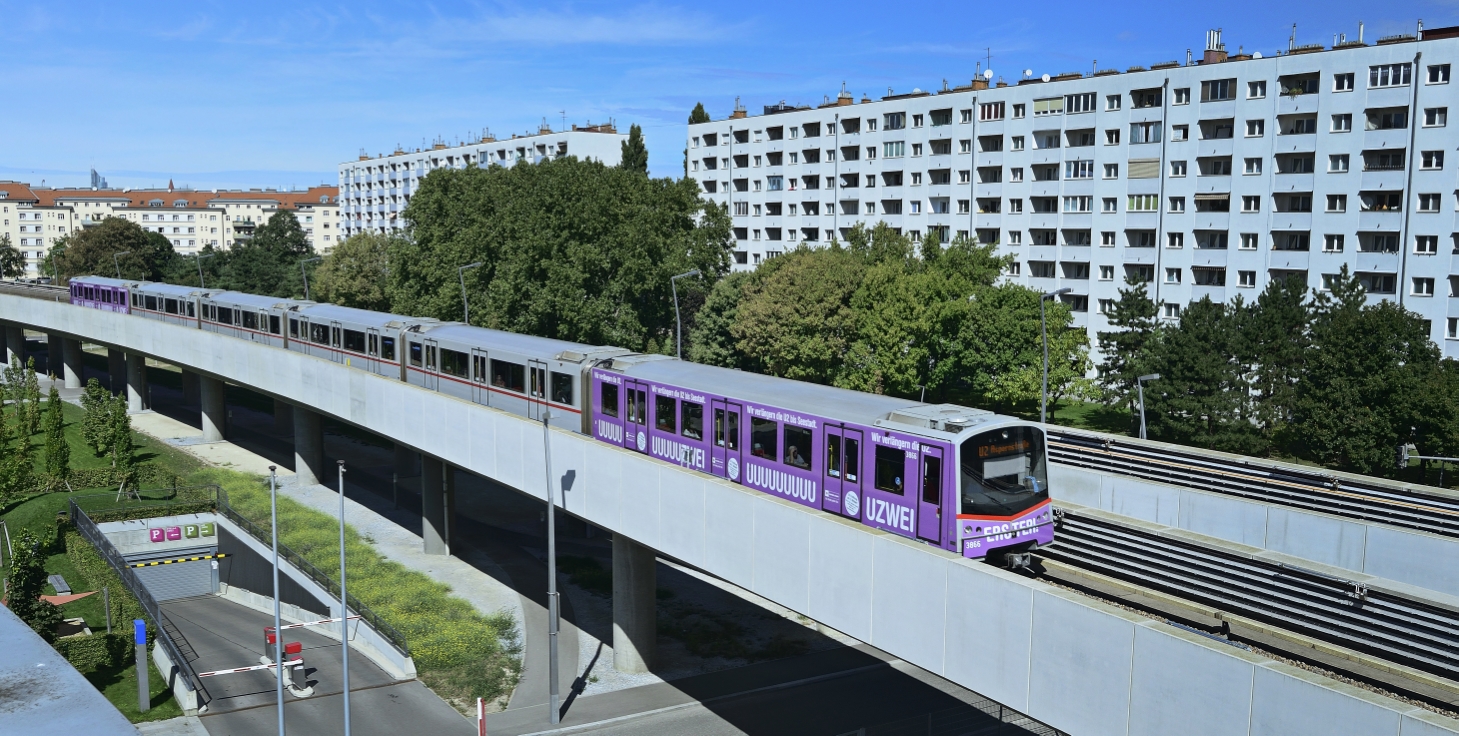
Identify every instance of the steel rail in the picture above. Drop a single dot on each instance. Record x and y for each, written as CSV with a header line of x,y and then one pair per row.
x,y
1329,494
1344,613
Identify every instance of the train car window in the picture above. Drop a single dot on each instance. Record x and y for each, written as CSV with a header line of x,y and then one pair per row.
x,y
415,354
889,467
430,357
732,430
334,336
798,447
387,348
633,413
225,315
853,459
151,302
169,306
294,328
354,341
640,415
106,295
763,436
719,427
374,344
561,388
539,382
664,413
273,324
136,300
931,479
692,420
478,368
609,402
248,319
454,362
509,376
833,456
319,335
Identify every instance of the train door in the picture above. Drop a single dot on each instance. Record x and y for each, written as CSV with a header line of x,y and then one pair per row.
x,y
429,378
725,452
843,471
635,416
372,349
306,340
480,381
537,389
929,503
336,341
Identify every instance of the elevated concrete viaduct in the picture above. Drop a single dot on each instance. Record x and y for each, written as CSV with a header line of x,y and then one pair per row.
x,y
1067,660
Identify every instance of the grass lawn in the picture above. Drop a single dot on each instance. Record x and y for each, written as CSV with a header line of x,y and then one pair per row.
x,y
1092,416
120,687
148,451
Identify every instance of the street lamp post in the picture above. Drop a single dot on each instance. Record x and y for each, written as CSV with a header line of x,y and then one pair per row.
x,y
1140,388
273,498
305,274
552,602
344,609
200,256
465,304
679,326
117,263
1044,328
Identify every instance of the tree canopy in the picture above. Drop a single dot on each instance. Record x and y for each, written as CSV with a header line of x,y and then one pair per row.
x,y
12,263
634,155
698,115
353,274
89,252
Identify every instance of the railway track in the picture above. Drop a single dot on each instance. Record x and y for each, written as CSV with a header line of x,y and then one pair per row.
x,y
1383,628
1436,512
35,291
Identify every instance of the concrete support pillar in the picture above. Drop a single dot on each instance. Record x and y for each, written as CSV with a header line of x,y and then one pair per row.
x,y
71,356
437,505
405,462
215,409
191,390
139,396
116,371
283,418
53,356
634,605
308,447
14,344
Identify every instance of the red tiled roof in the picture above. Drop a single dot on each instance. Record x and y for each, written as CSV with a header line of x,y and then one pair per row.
x,y
143,197
17,192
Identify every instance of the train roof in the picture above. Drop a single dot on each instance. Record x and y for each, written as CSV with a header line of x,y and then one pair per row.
x,y
357,316
546,347
105,281
153,287
251,300
811,398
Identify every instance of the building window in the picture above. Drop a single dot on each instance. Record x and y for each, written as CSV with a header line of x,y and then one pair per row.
x,y
1251,166
1337,163
1015,206
1246,278
1255,90
1112,102
1177,168
1436,117
1109,204
1250,203
1433,160
1017,143
990,111
1111,171
1438,74
1083,102
1426,245
1018,111
1217,89
1428,202
965,116
1342,123
1255,128
1337,203
1177,205
1249,241
1142,203
1048,106
1182,96
1342,82
1390,75
1144,133
1107,273
1423,286
1078,204
1180,133
1174,240
1079,169
1172,311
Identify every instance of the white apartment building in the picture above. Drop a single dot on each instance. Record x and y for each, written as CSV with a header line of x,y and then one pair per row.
x,y
376,190
35,218
1208,178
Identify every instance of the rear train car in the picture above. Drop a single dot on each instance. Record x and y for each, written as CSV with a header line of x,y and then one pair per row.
x,y
357,338
99,292
246,316
169,303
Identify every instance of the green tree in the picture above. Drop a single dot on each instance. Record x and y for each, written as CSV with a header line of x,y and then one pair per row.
x,y
1364,389
31,391
12,263
999,349
634,156
90,252
570,249
27,582
712,339
698,115
796,319
353,274
1274,342
58,453
1203,396
268,262
96,423
119,442
1124,349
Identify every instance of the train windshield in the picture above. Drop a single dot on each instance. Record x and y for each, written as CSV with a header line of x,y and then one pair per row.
x,y
1004,471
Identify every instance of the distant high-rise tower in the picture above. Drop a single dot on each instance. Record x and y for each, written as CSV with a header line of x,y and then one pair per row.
x,y
97,180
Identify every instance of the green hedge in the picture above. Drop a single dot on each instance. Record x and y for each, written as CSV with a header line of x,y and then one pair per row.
x,y
97,574
147,475
98,651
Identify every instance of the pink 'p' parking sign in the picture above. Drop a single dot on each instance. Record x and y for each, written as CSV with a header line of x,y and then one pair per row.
x,y
157,535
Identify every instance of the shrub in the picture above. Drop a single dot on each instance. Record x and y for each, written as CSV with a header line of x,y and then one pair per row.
x,y
98,651
97,574
28,582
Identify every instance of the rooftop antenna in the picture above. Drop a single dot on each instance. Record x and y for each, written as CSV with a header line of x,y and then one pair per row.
x,y
989,50
1360,31
1094,68
1292,40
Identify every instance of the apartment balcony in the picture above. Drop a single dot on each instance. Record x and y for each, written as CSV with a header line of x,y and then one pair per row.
x,y
1390,138
1380,221
1209,257
1291,221
1376,261
1213,147
1297,104
1295,260
1216,293
1292,182
1382,180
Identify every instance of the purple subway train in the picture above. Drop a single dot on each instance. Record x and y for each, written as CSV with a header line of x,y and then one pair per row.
x,y
967,480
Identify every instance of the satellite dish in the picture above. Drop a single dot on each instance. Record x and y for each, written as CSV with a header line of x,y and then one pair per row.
x,y
915,90
1045,77
1256,54
1027,73
988,74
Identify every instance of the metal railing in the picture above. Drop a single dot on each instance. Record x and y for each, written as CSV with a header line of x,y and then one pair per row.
x,y
321,578
1435,511
147,503
88,530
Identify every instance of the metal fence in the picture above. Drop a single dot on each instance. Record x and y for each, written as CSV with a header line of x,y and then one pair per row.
x,y
981,717
88,529
149,503
395,638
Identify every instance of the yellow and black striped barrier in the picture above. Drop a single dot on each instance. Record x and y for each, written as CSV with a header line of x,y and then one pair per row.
x,y
179,559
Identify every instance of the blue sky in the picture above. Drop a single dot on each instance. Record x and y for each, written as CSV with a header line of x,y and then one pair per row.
x,y
268,94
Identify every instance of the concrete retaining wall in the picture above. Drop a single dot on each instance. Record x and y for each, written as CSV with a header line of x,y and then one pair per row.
x,y
1411,557
1076,664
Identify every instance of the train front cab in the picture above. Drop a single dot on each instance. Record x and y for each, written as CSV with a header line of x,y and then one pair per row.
x,y
1003,499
